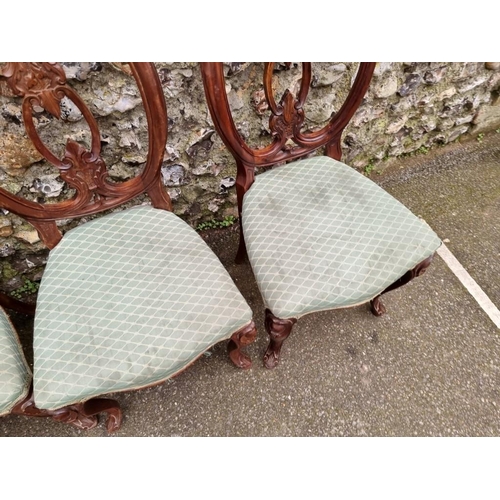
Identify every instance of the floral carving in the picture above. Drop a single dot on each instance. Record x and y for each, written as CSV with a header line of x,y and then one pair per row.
x,y
82,166
38,82
289,117
44,84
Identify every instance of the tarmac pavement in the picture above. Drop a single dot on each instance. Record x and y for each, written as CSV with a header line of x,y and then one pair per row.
x,y
429,367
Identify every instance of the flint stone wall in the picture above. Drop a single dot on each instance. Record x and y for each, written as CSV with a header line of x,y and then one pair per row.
x,y
410,107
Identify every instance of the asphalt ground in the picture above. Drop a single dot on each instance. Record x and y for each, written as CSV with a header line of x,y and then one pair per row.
x,y
429,367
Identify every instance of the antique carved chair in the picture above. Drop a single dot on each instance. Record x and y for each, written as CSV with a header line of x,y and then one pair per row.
x,y
129,299
318,234
16,382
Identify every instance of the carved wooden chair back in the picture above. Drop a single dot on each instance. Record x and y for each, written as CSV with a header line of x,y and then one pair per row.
x,y
128,299
285,123
314,229
44,85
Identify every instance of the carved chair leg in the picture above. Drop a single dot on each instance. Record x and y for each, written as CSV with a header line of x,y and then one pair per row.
x,y
94,406
82,415
376,306
239,339
278,330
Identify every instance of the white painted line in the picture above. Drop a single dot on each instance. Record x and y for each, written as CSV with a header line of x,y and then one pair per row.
x,y
472,287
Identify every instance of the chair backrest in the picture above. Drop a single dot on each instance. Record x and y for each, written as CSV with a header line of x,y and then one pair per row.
x,y
286,121
44,85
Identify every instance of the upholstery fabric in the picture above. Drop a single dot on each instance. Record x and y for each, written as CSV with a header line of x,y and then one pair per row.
x,y
126,301
15,374
320,235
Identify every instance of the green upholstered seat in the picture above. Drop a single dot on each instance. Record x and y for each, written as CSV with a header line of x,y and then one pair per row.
x,y
15,374
321,236
126,301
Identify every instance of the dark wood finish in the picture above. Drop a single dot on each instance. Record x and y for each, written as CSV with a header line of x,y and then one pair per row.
x,y
285,123
82,415
278,329
44,85
376,306
286,119
239,339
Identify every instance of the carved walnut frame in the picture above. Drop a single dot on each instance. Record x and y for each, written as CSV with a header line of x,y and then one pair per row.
x,y
287,118
44,85
285,123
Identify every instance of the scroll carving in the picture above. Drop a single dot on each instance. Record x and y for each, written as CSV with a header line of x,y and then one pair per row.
x,y
239,339
286,120
85,169
82,416
290,117
287,117
44,85
278,329
38,82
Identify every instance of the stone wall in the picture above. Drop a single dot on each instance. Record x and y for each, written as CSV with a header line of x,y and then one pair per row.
x,y
409,108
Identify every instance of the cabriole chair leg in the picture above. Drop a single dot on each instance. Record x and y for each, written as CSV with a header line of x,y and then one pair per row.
x,y
82,416
239,339
376,306
278,330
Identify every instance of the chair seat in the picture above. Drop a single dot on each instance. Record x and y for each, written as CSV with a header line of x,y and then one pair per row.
x,y
320,236
126,301
15,374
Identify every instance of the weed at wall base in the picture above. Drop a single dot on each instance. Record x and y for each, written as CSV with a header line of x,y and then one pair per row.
x,y
216,224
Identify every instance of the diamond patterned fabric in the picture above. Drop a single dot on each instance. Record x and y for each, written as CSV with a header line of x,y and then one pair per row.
x,y
320,236
15,375
128,300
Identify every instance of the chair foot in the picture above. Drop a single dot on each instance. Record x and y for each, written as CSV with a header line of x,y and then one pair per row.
x,y
93,407
82,415
278,330
239,339
376,306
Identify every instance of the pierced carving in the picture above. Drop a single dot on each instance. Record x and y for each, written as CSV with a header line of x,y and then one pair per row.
x,y
376,305
288,120
278,330
44,84
239,339
82,167
287,116
38,82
